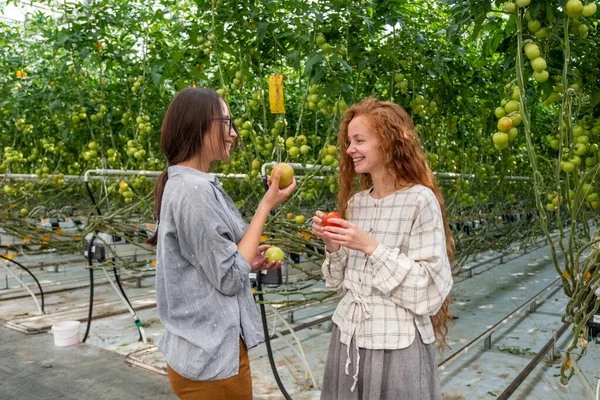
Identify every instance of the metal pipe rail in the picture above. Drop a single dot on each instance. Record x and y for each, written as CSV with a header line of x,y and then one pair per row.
x,y
103,172
448,175
536,360
487,335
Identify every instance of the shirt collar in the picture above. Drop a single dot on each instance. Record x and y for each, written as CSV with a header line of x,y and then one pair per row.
x,y
175,170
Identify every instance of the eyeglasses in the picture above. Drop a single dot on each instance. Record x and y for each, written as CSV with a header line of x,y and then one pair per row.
x,y
231,124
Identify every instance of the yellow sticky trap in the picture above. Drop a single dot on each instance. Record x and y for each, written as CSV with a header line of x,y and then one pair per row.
x,y
276,100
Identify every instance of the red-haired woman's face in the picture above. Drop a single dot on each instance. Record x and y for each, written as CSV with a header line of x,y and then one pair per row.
x,y
363,147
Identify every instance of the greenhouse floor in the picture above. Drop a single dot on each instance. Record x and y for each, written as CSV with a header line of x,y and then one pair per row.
x,y
31,367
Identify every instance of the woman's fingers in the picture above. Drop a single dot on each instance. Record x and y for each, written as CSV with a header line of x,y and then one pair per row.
x,y
336,238
275,180
272,265
263,247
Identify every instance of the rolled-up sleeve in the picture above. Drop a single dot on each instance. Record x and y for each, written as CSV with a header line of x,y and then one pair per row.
x,y
206,241
334,267
421,279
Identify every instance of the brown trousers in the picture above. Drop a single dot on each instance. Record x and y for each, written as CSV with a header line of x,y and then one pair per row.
x,y
238,387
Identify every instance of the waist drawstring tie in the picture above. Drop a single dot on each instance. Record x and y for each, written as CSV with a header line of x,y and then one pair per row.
x,y
364,312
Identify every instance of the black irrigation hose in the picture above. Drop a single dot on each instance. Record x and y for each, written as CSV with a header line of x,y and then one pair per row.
x,y
91,195
263,315
89,192
91,306
32,275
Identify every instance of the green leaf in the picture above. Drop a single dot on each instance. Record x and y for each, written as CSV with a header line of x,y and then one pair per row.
x,y
446,78
62,39
261,28
294,59
336,59
56,104
156,75
177,56
595,99
315,58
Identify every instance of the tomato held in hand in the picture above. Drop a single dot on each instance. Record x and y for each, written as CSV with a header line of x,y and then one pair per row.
x,y
287,174
328,216
274,254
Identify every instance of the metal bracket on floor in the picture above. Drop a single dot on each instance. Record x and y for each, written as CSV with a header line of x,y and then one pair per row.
x,y
551,354
533,306
487,343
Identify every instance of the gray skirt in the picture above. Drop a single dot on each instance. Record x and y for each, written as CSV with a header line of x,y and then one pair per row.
x,y
406,374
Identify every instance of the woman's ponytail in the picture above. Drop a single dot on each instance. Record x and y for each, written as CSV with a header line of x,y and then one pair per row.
x,y
159,188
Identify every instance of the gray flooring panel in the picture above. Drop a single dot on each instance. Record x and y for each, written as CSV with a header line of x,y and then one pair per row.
x,y
31,367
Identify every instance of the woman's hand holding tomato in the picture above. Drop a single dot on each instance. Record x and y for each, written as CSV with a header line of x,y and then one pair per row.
x,y
261,261
335,232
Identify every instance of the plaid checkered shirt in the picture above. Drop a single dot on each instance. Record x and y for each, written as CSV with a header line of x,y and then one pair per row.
x,y
395,290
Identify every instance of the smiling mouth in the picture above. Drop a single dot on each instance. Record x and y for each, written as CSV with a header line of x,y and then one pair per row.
x,y
357,160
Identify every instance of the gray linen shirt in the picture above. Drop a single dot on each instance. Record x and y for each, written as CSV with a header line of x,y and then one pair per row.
x,y
203,290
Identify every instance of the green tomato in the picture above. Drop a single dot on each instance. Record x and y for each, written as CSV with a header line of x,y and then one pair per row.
x,y
510,7
532,51
539,64
567,166
274,254
589,10
499,112
541,76
574,8
294,151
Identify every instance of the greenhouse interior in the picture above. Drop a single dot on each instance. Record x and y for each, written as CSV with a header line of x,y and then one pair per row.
x,y
466,126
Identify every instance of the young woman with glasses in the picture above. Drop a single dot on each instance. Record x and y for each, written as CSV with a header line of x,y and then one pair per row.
x,y
205,253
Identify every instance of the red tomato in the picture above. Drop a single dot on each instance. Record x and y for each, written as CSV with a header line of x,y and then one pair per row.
x,y
328,216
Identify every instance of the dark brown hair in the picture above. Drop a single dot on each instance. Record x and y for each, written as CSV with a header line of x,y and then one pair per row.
x,y
189,118
403,156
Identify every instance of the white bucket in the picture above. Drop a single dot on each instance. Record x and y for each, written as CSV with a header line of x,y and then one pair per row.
x,y
66,333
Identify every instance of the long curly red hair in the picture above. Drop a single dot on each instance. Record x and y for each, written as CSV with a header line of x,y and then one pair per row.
x,y
403,155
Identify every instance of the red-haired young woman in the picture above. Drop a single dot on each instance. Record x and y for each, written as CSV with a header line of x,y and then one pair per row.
x,y
391,260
